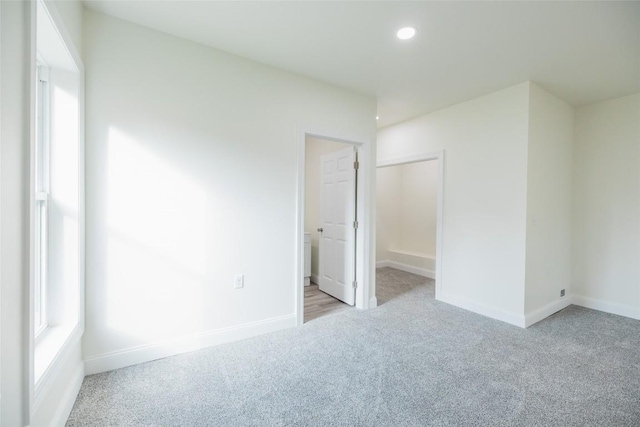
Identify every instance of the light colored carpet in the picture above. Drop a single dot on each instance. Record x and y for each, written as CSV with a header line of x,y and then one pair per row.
x,y
412,361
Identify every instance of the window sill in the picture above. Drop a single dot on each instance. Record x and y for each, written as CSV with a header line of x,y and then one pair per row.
x,y
49,344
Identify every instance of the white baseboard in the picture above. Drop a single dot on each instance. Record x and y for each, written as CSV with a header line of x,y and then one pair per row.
x,y
69,398
485,310
545,311
608,307
145,353
315,279
408,268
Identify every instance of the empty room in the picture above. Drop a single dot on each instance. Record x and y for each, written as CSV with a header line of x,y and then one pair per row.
x,y
314,213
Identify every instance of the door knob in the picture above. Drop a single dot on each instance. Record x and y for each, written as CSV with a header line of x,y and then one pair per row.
x,y
320,230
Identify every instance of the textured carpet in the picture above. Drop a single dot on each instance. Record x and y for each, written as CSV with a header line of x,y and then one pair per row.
x,y
412,361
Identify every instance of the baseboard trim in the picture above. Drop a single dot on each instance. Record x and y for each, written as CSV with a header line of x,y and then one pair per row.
x,y
315,279
408,268
146,353
545,311
483,309
608,307
69,399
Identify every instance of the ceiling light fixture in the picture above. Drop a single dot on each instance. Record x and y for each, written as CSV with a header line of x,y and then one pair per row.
x,y
406,33
377,118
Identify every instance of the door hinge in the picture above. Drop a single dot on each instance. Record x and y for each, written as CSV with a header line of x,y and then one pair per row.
x,y
355,284
356,165
355,224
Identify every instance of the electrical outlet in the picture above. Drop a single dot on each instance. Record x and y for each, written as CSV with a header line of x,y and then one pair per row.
x,y
561,292
238,281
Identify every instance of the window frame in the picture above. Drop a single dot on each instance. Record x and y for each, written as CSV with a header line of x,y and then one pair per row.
x,y
41,192
58,344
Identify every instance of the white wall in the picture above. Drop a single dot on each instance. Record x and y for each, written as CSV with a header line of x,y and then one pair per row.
x,y
388,202
549,197
484,223
315,149
419,201
191,179
606,215
538,197
15,82
407,199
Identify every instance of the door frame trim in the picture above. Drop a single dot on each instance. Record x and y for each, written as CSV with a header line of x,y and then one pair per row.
x,y
365,261
422,157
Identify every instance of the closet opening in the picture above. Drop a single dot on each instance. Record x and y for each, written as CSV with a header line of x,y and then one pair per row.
x,y
409,226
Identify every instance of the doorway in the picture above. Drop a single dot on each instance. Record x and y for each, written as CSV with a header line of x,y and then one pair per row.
x,y
332,225
409,224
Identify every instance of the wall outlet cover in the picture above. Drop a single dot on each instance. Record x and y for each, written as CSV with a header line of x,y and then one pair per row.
x,y
238,281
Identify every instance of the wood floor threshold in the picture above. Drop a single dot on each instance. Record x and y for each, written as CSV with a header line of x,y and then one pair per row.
x,y
318,303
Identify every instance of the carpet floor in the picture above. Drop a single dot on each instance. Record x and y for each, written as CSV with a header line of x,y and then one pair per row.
x,y
412,361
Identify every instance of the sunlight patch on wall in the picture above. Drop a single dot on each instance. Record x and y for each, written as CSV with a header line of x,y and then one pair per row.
x,y
157,248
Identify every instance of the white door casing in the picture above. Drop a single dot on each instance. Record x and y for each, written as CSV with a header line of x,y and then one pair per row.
x,y
337,216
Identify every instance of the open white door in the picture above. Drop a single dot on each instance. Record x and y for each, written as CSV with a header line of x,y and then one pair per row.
x,y
338,225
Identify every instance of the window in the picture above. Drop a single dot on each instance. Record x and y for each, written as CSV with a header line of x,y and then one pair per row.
x,y
57,262
42,151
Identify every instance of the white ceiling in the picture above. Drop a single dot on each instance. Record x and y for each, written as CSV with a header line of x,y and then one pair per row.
x,y
583,52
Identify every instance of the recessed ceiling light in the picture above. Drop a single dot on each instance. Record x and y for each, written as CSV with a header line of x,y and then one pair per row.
x,y
406,33
377,117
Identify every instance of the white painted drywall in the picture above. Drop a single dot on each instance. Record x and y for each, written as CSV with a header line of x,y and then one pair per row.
x,y
407,200
419,203
388,204
606,215
191,179
485,162
14,205
314,150
549,197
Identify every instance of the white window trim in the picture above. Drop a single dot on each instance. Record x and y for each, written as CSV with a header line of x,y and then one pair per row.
x,y
43,143
65,337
